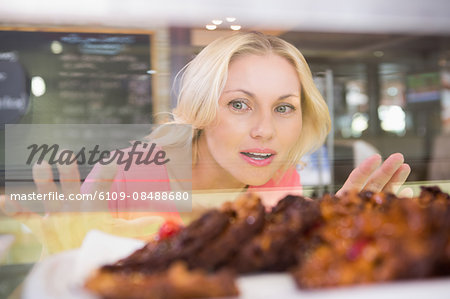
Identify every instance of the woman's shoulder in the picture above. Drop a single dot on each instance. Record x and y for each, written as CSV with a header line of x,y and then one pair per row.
x,y
136,167
277,188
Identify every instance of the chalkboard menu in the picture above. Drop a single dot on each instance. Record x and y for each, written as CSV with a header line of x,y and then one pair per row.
x,y
14,89
75,77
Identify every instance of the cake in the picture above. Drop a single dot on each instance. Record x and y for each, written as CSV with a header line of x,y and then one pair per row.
x,y
361,237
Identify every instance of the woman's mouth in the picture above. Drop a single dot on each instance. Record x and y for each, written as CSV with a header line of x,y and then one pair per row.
x,y
258,158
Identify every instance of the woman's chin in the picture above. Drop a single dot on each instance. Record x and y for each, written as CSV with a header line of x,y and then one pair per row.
x,y
256,181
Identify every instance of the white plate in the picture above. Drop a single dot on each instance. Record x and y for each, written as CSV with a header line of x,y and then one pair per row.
x,y
52,279
282,286
62,276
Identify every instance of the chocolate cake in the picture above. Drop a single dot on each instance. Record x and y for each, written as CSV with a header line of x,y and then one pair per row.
x,y
359,238
375,237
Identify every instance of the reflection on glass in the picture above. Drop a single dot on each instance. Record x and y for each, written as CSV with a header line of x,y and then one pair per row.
x,y
360,122
38,86
392,119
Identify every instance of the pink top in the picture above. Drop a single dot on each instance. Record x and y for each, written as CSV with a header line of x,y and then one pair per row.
x,y
146,178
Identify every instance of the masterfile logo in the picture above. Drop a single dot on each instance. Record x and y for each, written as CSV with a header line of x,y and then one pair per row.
x,y
54,155
142,173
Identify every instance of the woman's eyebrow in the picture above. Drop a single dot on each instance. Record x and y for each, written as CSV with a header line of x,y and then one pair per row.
x,y
253,95
240,90
288,96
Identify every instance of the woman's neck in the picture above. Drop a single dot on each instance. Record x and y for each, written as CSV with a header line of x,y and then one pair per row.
x,y
208,174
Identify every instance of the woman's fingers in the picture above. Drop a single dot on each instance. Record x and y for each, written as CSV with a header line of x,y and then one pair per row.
x,y
379,180
398,179
359,176
388,177
69,178
43,178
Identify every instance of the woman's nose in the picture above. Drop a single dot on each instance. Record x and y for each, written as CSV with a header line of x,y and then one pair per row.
x,y
263,126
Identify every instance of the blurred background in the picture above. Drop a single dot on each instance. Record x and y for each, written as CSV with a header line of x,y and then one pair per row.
x,y
383,67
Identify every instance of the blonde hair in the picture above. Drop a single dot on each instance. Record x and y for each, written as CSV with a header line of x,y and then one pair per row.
x,y
203,80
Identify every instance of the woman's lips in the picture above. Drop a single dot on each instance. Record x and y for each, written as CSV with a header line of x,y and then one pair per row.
x,y
258,157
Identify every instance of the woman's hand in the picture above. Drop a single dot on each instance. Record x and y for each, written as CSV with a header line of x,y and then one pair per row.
x,y
375,176
64,224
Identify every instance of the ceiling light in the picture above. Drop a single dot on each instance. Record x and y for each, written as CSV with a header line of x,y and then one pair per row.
x,y
37,86
56,47
392,91
217,22
231,19
235,27
211,27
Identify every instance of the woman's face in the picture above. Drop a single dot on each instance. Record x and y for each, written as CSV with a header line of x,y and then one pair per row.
x,y
259,119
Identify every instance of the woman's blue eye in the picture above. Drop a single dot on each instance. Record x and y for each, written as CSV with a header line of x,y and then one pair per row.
x,y
238,105
284,109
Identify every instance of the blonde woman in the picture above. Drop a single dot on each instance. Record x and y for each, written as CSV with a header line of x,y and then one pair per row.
x,y
254,112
